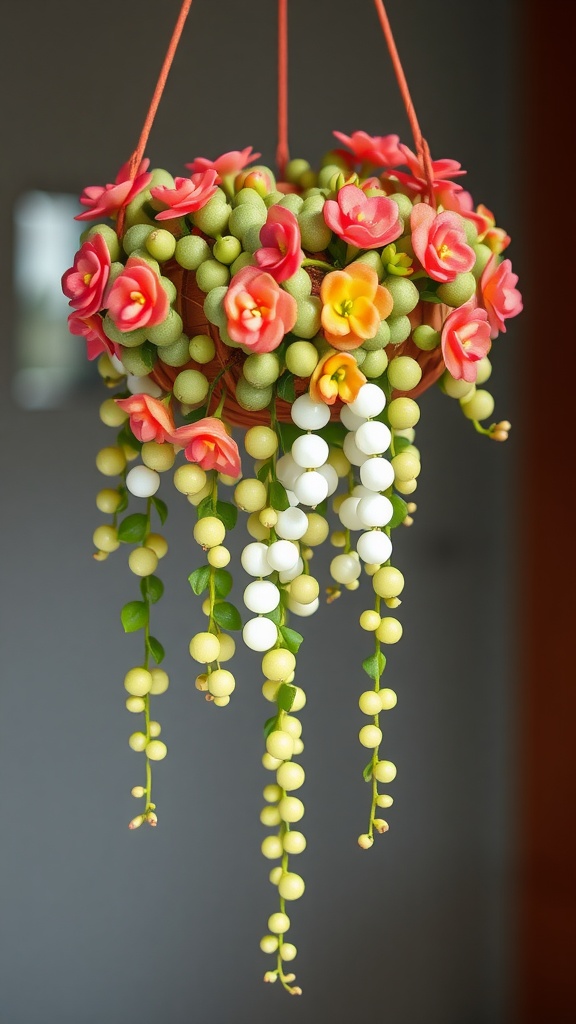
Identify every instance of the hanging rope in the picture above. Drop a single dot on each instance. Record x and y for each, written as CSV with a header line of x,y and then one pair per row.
x,y
282,154
422,148
138,153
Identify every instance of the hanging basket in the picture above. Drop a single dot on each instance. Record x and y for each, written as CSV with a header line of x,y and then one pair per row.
x,y
313,311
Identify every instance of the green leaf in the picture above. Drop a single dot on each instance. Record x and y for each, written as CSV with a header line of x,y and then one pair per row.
x,y
285,696
285,387
400,443
227,513
161,508
195,415
125,436
278,496
269,725
156,649
275,616
222,582
333,433
154,588
367,773
288,432
199,580
400,511
134,616
227,615
292,639
123,492
205,508
428,296
374,665
149,354
264,472
133,529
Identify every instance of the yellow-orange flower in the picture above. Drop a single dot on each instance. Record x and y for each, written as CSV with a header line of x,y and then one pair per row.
x,y
353,306
336,376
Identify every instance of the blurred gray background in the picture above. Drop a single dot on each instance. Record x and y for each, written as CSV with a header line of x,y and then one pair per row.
x,y
100,924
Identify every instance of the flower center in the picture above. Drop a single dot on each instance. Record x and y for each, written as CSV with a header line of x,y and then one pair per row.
x,y
443,251
87,278
137,297
360,216
346,307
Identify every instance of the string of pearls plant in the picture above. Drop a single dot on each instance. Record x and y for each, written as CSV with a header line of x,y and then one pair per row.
x,y
312,312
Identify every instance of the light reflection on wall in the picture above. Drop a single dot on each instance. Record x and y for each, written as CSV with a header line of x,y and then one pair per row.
x,y
50,363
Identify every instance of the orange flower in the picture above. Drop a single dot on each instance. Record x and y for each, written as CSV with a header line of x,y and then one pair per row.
x,y
336,376
353,306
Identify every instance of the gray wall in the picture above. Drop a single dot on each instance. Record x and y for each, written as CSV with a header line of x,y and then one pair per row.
x,y
99,924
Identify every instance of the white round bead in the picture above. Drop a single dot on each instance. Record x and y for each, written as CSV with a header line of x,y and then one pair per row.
x,y
142,386
376,510
348,514
292,524
282,555
309,415
254,560
291,574
293,500
373,437
260,634
261,596
349,419
374,547
287,471
311,488
142,482
377,474
359,491
331,477
303,609
345,568
369,402
352,451
310,451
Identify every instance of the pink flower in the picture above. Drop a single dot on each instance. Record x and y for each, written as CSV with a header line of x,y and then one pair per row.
x,y
495,238
137,299
190,194
381,150
465,340
85,282
208,444
500,297
150,419
282,253
91,328
225,165
362,221
106,200
439,241
259,313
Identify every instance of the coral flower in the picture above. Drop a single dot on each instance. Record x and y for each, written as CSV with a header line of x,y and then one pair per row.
x,y
259,313
91,328
209,445
353,306
380,150
106,200
336,376
189,195
280,236
362,221
500,297
225,165
85,282
439,241
137,299
465,340
495,238
442,173
150,419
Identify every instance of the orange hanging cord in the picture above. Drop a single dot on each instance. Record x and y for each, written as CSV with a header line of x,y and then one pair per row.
x,y
422,148
282,154
138,153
